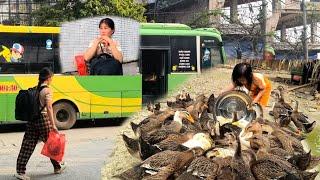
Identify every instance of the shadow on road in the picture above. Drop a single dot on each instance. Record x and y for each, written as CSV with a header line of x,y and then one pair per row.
x,y
5,128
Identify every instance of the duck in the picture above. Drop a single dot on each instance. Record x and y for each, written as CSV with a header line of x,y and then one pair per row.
x,y
256,128
174,126
183,100
164,164
135,173
281,138
154,108
176,143
269,166
139,148
236,127
280,112
301,121
230,125
197,108
255,142
152,122
240,167
211,104
161,165
183,96
288,142
176,104
282,92
268,127
203,168
187,176
213,127
204,118
224,171
200,139
132,145
148,139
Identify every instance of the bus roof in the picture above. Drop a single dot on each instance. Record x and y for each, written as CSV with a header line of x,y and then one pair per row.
x,y
167,29
173,26
162,29
29,29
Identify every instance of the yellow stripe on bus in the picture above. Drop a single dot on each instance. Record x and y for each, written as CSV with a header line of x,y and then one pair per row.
x,y
29,29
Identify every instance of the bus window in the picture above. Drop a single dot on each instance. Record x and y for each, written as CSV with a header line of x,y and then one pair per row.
x,y
44,59
22,53
41,52
215,56
11,54
210,52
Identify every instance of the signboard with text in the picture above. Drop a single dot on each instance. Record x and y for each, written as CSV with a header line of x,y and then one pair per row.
x,y
183,54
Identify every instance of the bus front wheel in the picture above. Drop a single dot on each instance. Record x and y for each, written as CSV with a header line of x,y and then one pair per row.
x,y
64,115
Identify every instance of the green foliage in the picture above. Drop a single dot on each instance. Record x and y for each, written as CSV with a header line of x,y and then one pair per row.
x,y
66,10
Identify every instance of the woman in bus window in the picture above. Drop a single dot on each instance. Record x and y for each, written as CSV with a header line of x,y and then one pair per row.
x,y
104,44
258,85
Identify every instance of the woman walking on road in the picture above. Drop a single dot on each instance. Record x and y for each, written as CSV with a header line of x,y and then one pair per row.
x,y
39,129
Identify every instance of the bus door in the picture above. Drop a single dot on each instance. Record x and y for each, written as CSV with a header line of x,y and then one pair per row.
x,y
154,63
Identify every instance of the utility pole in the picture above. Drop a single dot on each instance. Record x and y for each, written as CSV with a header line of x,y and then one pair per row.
x,y
29,9
9,4
305,40
17,20
234,11
155,10
264,22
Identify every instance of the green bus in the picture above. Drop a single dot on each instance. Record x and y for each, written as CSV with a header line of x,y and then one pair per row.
x,y
169,53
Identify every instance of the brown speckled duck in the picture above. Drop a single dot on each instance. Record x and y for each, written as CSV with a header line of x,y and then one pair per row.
x,y
256,128
240,168
151,123
301,121
163,164
287,142
211,103
174,126
203,168
280,110
269,166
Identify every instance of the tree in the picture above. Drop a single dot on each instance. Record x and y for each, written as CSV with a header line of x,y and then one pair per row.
x,y
68,10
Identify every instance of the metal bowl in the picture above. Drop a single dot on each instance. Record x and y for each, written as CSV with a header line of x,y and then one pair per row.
x,y
239,102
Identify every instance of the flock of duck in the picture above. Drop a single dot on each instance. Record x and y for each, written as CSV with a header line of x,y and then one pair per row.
x,y
187,141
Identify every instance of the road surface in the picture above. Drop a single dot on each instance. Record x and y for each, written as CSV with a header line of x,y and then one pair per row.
x,y
87,150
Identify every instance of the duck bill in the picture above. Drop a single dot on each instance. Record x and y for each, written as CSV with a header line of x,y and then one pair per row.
x,y
190,119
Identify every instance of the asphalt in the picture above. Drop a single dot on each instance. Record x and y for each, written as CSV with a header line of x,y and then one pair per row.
x,y
88,147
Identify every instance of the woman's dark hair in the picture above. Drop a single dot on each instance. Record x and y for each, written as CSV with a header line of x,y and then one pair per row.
x,y
44,74
109,22
242,70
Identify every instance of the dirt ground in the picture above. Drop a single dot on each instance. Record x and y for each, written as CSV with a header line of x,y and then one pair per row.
x,y
211,81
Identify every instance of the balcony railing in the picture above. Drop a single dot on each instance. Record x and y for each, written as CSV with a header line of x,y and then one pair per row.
x,y
18,12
